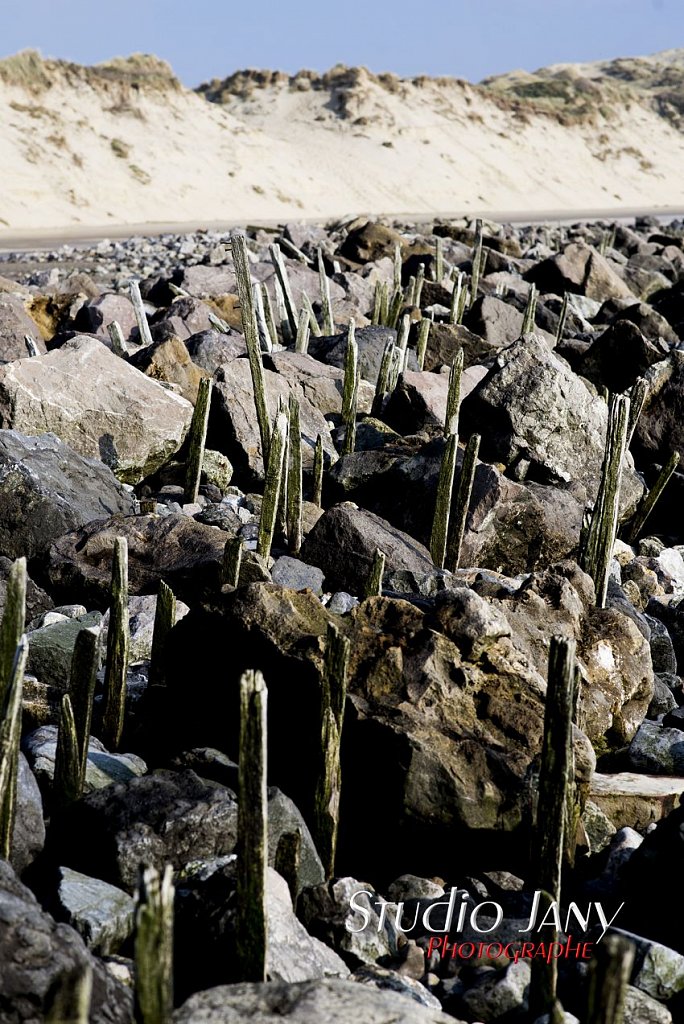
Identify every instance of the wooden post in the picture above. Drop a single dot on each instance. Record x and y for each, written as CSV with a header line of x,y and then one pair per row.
x,y
422,344
459,513
294,480
440,522
10,739
118,642
68,1001
303,331
439,259
637,399
418,288
164,621
382,386
252,841
198,437
216,321
154,947
244,287
333,699
288,861
326,305
13,622
476,261
265,340
397,267
647,503
373,586
600,540
318,466
232,561
140,314
403,332
67,779
273,485
284,280
350,390
456,294
609,974
117,339
313,322
562,318
85,662
529,319
31,346
268,313
454,395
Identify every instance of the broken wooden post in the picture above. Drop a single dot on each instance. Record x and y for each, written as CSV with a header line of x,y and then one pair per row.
x,y
164,621
445,484
456,294
382,386
454,395
13,622
350,390
244,287
10,739
562,318
647,503
294,480
637,399
66,786
232,561
609,975
252,840
154,946
333,699
318,466
529,318
85,662
140,314
198,438
313,322
284,281
268,314
422,343
476,261
265,340
273,485
418,287
303,331
69,998
439,259
117,339
459,510
373,587
326,304
118,640
403,332
396,267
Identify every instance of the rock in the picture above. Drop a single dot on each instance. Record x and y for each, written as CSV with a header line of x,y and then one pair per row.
x,y
51,649
651,324
322,385
204,281
28,837
343,545
211,349
409,887
186,554
662,648
37,601
141,611
285,817
531,409
216,470
657,750
102,768
310,1002
96,315
659,430
579,268
234,425
297,575
165,818
444,341
619,356
35,952
371,242
393,981
658,971
169,360
598,827
643,1009
47,489
419,402
371,342
342,603
663,697
193,314
500,992
325,912
128,421
499,323
100,913
15,324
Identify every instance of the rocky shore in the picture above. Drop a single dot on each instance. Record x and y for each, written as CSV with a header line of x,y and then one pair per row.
x,y
393,473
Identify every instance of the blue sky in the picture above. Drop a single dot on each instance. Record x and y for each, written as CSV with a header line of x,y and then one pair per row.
x,y
471,39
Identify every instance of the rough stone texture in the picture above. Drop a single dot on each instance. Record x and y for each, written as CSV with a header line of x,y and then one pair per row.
x,y
15,323
619,356
500,993
310,1002
211,349
658,971
169,360
419,402
657,750
51,648
96,315
28,837
532,410
643,1009
371,342
165,818
100,913
47,489
635,800
141,611
98,404
297,575
233,423
392,981
35,952
343,543
102,768
186,554
579,268
444,341
321,384
412,887
37,601
325,911
498,323
659,430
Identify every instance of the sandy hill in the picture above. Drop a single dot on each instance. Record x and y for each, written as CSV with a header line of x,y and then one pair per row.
x,y
124,142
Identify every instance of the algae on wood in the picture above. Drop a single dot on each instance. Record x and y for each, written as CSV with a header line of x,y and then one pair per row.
x,y
118,642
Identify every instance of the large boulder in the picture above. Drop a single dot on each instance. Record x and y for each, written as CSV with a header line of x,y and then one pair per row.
x,y
579,268
542,421
15,324
35,953
47,489
97,404
660,429
370,242
169,361
371,342
619,356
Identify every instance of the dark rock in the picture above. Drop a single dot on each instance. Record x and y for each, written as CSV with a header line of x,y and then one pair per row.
x,y
28,837
444,341
619,356
370,242
660,429
371,342
579,268
37,601
211,349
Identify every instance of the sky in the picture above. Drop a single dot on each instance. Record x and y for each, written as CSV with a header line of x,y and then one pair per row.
x,y
204,39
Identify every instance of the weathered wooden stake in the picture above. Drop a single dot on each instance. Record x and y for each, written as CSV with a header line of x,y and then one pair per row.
x,y
609,974
418,289
456,294
117,339
164,621
598,550
313,322
294,480
265,339
252,841
67,779
284,280
217,322
423,338
198,438
118,641
85,662
350,390
397,267
13,622
232,561
373,586
273,485
530,311
637,399
403,332
154,946
10,738
459,511
333,699
268,314
244,287
68,1001
439,259
440,522
562,318
649,500
140,314
476,261
303,331
326,304
454,395
317,496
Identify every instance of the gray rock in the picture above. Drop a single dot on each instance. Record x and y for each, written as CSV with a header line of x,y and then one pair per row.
x,y
98,313
498,322
15,323
35,952
657,750
662,648
500,993
51,649
658,970
643,1009
102,769
283,817
659,431
28,837
141,610
37,601
325,911
343,544
297,575
211,349
130,422
598,827
311,1002
47,489
663,697
408,887
371,342
204,281
100,913
342,603
579,268
293,954
391,981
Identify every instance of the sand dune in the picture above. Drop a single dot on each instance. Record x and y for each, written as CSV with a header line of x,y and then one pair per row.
x,y
126,143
